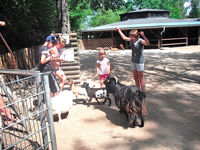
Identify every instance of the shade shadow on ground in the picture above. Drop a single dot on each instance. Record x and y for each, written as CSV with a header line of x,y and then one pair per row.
x,y
172,88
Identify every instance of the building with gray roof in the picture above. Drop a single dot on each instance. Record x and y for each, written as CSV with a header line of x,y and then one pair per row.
x,y
158,27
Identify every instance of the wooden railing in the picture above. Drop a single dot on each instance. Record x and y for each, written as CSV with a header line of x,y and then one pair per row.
x,y
174,41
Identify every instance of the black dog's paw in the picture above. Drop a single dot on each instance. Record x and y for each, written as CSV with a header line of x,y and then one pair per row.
x,y
141,126
109,101
135,123
142,122
88,102
131,124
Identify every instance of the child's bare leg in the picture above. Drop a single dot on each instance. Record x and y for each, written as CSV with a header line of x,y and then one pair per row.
x,y
101,83
62,77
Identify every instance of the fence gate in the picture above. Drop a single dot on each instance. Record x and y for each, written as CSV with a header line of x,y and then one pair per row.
x,y
26,120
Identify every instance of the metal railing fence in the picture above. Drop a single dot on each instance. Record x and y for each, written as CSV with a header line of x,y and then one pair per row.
x,y
26,120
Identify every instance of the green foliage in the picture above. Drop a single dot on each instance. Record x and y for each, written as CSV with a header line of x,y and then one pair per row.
x,y
195,11
101,12
98,10
105,5
105,18
27,22
175,7
78,13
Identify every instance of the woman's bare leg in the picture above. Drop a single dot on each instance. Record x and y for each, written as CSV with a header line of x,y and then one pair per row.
x,y
135,77
141,80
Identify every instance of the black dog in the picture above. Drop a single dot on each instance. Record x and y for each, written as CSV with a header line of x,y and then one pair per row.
x,y
129,99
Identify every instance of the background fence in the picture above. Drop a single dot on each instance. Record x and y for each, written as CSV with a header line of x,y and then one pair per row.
x,y
26,119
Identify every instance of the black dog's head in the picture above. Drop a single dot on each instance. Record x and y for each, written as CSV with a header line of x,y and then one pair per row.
x,y
110,82
140,99
140,96
85,85
136,95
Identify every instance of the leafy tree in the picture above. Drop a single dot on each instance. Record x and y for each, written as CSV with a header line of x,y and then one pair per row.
x,y
27,22
175,7
183,8
105,18
195,11
79,11
105,5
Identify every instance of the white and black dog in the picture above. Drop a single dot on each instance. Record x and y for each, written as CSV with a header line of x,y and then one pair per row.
x,y
97,93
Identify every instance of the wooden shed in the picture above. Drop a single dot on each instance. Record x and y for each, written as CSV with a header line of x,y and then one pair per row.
x,y
161,30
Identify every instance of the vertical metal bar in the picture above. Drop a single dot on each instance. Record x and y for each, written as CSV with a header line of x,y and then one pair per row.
x,y
1,143
25,112
127,43
159,39
186,32
50,114
41,108
112,36
38,138
197,36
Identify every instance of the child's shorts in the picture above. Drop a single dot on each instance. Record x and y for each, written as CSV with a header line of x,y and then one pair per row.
x,y
103,77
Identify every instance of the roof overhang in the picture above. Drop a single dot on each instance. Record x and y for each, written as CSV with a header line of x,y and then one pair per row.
x,y
131,25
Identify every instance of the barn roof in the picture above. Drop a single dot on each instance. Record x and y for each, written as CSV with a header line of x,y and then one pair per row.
x,y
147,23
146,10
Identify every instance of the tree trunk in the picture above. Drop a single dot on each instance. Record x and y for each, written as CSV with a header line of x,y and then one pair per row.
x,y
63,16
59,12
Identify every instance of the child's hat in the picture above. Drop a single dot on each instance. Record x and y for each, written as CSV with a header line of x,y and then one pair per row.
x,y
51,38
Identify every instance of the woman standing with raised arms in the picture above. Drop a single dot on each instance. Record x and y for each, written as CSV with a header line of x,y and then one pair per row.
x,y
137,46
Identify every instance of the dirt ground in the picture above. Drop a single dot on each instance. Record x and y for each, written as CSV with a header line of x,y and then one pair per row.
x,y
172,77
